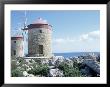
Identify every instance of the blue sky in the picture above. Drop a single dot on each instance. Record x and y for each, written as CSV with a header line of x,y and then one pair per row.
x,y
73,31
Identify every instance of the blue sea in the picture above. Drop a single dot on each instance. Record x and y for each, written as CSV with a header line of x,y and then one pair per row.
x,y
75,54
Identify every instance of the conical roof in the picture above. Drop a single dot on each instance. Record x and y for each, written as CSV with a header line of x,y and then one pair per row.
x,y
40,21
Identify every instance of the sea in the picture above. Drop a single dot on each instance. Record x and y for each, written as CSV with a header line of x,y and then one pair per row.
x,y
75,54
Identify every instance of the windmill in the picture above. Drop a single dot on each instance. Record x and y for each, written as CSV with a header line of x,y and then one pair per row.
x,y
25,20
24,33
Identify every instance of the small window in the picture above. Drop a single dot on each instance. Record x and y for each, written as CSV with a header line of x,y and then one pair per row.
x,y
40,31
14,52
14,41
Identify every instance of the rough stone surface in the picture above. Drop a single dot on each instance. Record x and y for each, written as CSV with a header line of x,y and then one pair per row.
x,y
59,60
55,73
36,38
93,65
17,46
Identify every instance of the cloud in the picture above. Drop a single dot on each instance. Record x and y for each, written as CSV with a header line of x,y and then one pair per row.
x,y
63,40
59,40
85,42
90,36
95,34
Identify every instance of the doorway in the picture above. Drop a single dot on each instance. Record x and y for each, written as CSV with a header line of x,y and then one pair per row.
x,y
40,49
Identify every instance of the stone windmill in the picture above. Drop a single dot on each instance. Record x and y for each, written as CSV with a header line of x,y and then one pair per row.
x,y
39,39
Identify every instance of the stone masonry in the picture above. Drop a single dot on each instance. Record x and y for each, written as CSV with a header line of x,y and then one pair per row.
x,y
17,47
35,38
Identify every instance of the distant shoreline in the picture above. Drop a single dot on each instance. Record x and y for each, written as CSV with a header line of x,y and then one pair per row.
x,y
78,52
75,54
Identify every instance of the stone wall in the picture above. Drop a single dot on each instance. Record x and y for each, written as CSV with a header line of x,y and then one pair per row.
x,y
17,46
36,38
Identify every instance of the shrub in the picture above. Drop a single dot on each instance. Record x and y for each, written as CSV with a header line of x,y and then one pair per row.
x,y
13,64
42,70
38,61
16,73
70,71
21,60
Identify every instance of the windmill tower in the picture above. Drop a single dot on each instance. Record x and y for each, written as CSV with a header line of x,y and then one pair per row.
x,y
17,44
17,41
39,39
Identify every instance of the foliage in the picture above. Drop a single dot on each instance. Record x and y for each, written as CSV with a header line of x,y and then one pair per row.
x,y
42,70
13,64
37,60
37,68
16,73
30,61
21,60
70,71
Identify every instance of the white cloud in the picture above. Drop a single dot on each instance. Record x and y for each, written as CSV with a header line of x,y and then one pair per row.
x,y
90,36
95,34
63,40
85,42
59,40
84,37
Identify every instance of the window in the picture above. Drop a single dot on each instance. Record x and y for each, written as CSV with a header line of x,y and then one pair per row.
x,y
14,52
40,49
40,31
14,41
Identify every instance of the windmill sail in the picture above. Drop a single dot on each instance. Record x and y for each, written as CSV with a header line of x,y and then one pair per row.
x,y
25,19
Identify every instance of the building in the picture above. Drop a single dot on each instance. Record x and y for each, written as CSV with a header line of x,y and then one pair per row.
x,y
17,46
39,39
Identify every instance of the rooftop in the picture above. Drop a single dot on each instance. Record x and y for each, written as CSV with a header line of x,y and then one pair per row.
x,y
16,38
40,21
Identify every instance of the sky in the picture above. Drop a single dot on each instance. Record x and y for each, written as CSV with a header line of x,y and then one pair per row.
x,y
72,30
